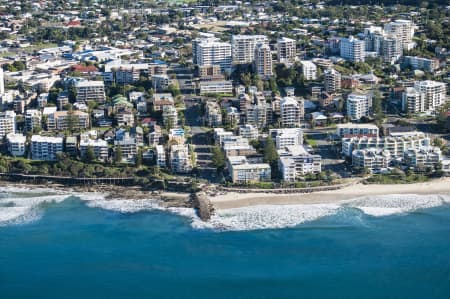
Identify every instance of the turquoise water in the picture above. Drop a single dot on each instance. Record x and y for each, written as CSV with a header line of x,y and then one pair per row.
x,y
72,249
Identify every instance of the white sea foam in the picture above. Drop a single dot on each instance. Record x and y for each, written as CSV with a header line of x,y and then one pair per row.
x,y
385,205
124,205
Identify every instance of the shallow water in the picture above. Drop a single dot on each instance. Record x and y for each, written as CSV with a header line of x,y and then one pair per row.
x,y
61,246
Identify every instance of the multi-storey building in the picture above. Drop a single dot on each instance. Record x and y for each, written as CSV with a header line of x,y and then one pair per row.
x,y
33,119
413,101
45,148
351,129
396,145
373,159
128,147
391,49
248,131
256,114
287,137
422,157
243,47
68,120
90,91
352,49
292,112
160,156
332,80
242,172
170,116
358,105
435,93
309,70
214,53
421,63
214,87
213,114
263,61
403,30
7,123
99,147
180,158
286,49
295,162
16,144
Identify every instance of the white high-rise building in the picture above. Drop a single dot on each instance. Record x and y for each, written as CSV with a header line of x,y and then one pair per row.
x,y
358,105
200,40
7,123
263,61
435,93
291,112
286,49
16,144
413,101
243,47
214,53
309,70
352,49
392,49
45,148
403,30
332,80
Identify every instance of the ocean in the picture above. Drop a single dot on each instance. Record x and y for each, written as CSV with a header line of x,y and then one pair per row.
x,y
61,245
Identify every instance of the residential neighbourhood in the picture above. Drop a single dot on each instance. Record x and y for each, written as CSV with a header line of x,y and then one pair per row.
x,y
253,95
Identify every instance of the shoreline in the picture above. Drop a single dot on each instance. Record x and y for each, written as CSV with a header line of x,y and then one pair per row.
x,y
232,200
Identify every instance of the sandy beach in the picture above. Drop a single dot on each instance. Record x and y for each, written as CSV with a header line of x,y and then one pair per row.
x,y
232,200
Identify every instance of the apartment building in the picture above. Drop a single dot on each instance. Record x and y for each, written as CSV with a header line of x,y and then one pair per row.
x,y
395,145
421,63
351,129
90,91
332,80
249,131
391,49
45,148
7,123
295,162
358,105
160,82
33,119
180,158
213,114
352,49
214,53
68,120
16,144
403,30
99,147
243,47
435,93
286,50
263,61
287,137
309,70
170,116
216,87
256,114
423,157
373,159
128,147
160,156
243,172
292,111
413,101
159,100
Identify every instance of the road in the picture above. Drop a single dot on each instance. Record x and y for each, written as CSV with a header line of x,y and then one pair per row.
x,y
200,139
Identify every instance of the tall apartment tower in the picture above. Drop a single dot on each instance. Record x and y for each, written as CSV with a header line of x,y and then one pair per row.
x,y
332,80
291,112
402,30
358,105
243,47
198,41
286,49
214,53
353,49
263,61
391,49
435,93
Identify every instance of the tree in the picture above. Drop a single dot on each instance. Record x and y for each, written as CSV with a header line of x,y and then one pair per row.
x,y
139,158
118,155
218,158
89,156
270,151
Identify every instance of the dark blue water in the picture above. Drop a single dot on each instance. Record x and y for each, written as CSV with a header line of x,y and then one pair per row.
x,y
75,251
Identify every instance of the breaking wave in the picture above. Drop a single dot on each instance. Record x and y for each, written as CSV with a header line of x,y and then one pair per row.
x,y
23,205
